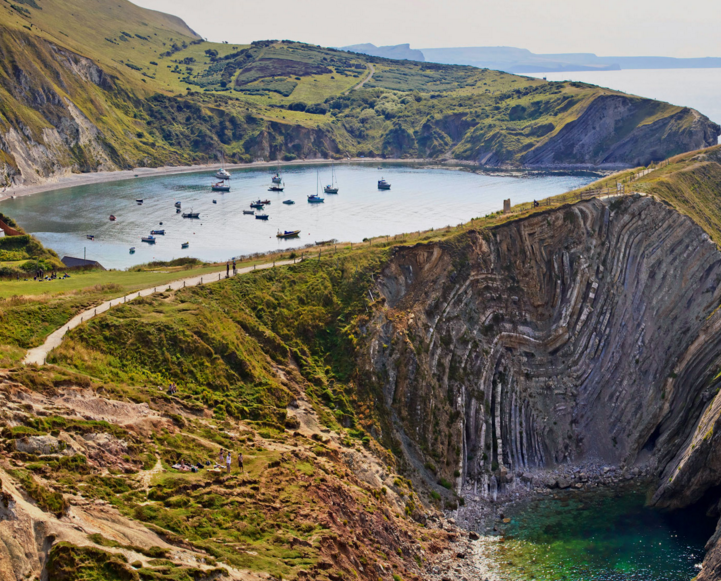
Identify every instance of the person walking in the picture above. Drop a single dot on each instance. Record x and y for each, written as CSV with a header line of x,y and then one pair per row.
x,y
221,457
234,270
240,462
228,460
227,269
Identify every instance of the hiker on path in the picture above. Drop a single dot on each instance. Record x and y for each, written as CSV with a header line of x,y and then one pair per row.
x,y
240,462
227,269
221,457
234,267
228,460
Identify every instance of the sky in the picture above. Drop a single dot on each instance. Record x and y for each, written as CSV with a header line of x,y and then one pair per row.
x,y
608,28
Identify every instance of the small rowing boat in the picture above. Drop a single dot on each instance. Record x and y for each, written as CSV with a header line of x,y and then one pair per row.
x,y
288,234
249,212
191,214
139,202
288,202
158,232
112,218
148,239
261,216
185,245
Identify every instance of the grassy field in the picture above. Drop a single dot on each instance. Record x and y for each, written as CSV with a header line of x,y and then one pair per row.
x,y
122,282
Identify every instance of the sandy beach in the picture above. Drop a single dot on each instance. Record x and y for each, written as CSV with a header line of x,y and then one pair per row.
x,y
84,179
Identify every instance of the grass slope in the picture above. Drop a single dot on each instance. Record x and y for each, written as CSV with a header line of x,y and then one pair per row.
x,y
157,94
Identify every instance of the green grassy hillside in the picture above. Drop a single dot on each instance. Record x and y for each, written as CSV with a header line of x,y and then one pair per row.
x,y
246,354
101,84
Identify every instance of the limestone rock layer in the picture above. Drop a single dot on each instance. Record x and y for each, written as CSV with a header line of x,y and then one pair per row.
x,y
586,333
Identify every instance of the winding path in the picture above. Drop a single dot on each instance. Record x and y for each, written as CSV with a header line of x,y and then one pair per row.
x,y
364,81
38,355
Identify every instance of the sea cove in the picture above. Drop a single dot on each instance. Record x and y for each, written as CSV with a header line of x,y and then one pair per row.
x,y
420,198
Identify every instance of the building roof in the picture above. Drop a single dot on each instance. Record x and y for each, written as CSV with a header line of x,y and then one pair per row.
x,y
72,262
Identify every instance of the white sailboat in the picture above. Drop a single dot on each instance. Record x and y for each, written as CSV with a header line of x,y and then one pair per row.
x,y
222,173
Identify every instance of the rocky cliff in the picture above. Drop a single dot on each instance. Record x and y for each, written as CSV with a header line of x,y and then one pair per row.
x,y
586,333
604,134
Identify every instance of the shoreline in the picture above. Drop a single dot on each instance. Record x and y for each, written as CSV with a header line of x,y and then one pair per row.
x,y
72,180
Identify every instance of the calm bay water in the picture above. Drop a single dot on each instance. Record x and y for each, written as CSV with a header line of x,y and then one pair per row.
x,y
601,536
696,88
420,198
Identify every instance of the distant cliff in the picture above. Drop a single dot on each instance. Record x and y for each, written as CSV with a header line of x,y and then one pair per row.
x,y
398,51
521,60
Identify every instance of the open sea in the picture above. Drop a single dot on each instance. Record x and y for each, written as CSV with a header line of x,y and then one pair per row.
x,y
420,198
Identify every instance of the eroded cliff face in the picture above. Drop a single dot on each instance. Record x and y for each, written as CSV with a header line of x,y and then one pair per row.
x,y
605,135
585,333
50,95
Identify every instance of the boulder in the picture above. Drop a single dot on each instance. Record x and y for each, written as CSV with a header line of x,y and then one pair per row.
x,y
40,445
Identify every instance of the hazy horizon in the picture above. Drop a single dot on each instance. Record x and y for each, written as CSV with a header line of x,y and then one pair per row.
x,y
622,28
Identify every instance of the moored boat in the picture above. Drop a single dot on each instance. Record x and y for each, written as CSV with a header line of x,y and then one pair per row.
x,y
112,218
132,250
222,174
288,234
261,216
177,210
383,184
185,245
257,205
249,212
191,214
220,187
331,188
90,236
276,188
148,239
177,204
266,202
139,202
158,232
288,202
315,198
215,201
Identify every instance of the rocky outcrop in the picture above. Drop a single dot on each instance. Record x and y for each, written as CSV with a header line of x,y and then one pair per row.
x,y
586,333
605,134
56,84
564,337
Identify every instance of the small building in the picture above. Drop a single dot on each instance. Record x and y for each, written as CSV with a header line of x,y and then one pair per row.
x,y
72,262
507,206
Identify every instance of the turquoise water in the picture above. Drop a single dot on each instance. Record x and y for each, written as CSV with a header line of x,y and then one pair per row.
x,y
601,536
420,198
